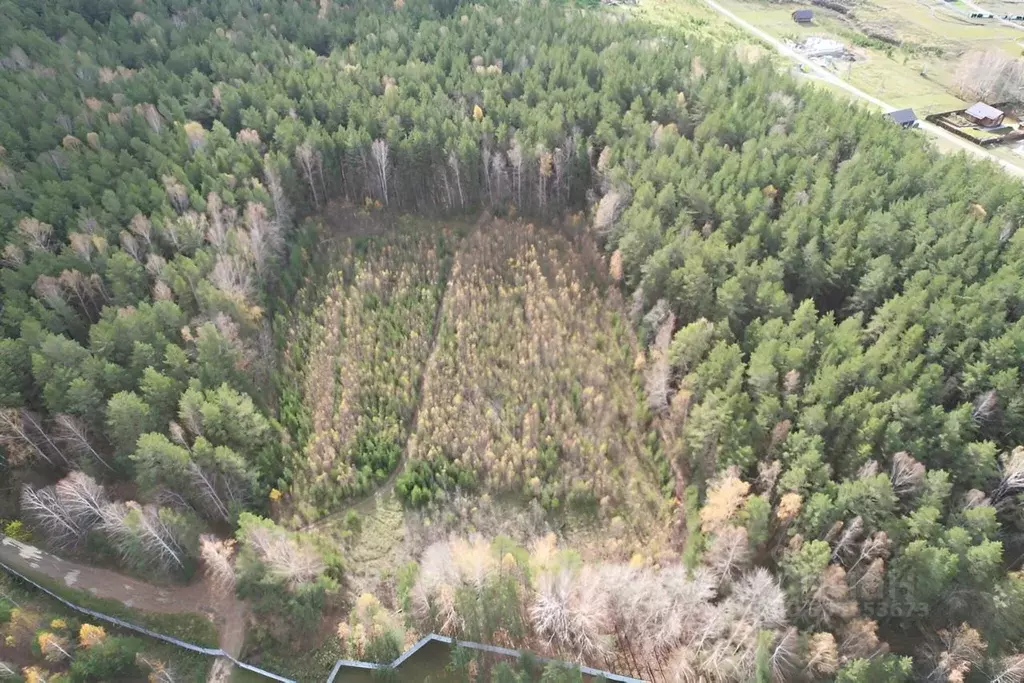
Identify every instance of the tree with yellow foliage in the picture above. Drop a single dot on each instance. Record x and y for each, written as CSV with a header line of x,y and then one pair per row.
x,y
89,635
35,674
372,632
54,647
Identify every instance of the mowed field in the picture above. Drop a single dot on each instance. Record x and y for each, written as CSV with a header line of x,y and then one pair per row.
x,y
918,73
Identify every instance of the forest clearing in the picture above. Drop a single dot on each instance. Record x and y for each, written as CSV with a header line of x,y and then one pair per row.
x,y
531,325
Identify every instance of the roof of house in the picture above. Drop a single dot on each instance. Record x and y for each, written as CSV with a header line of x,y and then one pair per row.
x,y
803,14
983,111
903,116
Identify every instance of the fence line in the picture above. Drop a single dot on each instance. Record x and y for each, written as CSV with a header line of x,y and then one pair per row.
x,y
483,647
209,651
348,663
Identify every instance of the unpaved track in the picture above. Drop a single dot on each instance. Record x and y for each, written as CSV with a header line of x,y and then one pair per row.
x,y
222,607
829,77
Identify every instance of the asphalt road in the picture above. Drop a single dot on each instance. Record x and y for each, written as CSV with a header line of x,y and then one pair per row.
x,y
829,77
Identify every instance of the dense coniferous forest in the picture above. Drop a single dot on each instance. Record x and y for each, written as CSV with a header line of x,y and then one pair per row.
x,y
796,323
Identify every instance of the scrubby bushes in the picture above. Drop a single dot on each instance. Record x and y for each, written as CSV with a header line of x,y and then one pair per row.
x,y
529,391
357,362
288,577
65,649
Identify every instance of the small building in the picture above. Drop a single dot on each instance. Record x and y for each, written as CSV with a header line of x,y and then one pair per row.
x,y
803,16
904,117
984,115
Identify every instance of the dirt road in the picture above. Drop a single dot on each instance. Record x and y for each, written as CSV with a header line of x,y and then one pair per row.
x,y
227,612
829,77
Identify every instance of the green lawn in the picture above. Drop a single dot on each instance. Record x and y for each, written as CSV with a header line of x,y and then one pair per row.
x,y
919,75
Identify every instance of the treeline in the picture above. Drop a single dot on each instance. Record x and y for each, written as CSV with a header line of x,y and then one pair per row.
x,y
827,305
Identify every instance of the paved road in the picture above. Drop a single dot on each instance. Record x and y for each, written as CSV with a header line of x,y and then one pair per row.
x,y
829,77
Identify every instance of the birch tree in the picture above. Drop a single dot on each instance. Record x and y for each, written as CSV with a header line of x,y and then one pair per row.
x,y
282,207
49,513
73,433
23,433
380,151
310,164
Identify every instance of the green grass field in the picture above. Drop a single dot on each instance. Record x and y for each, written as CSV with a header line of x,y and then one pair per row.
x,y
918,74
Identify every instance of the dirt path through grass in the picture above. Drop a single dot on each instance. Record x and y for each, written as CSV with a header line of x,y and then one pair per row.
x,y
367,503
223,608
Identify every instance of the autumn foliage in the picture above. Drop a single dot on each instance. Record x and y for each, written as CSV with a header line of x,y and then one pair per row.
x,y
530,390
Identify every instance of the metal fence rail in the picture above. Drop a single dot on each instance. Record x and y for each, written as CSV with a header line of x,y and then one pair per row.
x,y
121,623
338,665
483,647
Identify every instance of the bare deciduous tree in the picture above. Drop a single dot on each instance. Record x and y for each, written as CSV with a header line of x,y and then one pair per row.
x,y
232,276
49,513
1012,481
729,553
433,596
515,160
962,650
822,655
23,434
285,557
848,539
783,659
142,534
81,243
34,234
608,211
152,117
571,612
177,194
159,671
990,75
453,163
859,639
48,288
82,497
830,601
545,170
282,208
14,256
131,245
310,164
187,232
218,561
659,370
265,240
499,177
758,600
84,290
381,154
907,474
1010,669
